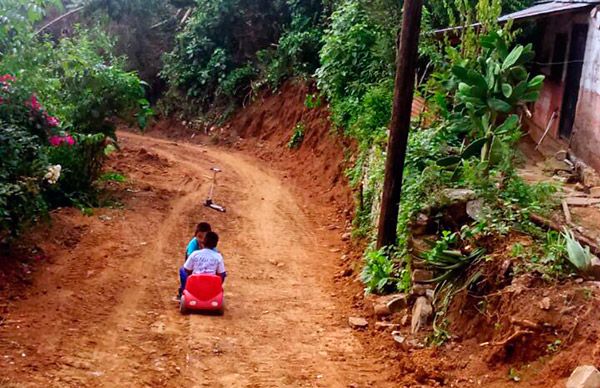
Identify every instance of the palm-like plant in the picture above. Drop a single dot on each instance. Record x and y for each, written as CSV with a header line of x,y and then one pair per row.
x,y
491,87
580,257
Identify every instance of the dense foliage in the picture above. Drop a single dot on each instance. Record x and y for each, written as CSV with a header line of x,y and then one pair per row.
x,y
465,140
58,105
229,46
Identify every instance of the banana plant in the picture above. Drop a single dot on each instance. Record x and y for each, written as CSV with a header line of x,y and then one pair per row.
x,y
494,85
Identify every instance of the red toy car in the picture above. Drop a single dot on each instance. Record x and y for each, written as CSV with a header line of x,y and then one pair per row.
x,y
203,292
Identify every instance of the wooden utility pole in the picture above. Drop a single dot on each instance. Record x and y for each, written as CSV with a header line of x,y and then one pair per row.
x,y
406,59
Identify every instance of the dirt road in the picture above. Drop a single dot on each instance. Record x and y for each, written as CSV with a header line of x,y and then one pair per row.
x,y
100,313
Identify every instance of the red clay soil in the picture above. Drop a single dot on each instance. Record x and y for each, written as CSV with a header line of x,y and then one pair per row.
x,y
263,130
473,358
98,309
85,301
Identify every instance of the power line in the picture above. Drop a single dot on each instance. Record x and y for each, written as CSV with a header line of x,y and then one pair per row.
x,y
558,63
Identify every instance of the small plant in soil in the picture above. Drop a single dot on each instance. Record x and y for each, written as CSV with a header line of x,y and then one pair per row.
x,y
580,257
513,375
112,176
297,136
588,294
313,101
440,332
449,262
378,272
554,346
548,257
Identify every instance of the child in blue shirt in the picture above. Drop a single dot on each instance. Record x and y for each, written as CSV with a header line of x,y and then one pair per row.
x,y
195,244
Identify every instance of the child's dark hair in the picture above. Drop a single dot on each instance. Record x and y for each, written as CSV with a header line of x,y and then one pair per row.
x,y
211,240
203,227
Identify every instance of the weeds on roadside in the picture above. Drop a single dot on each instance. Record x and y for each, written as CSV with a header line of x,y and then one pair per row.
x,y
514,375
440,333
313,101
554,346
297,136
112,176
380,273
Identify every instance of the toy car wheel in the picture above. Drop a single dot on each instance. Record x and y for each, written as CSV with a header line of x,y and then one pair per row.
x,y
182,308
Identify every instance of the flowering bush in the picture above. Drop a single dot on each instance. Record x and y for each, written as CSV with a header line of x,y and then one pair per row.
x,y
22,108
53,174
59,101
81,158
24,171
81,83
23,164
56,141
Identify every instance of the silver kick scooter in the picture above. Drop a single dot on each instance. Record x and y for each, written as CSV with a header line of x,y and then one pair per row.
x,y
209,201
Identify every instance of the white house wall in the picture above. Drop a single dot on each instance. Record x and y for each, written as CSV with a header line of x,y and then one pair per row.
x,y
586,134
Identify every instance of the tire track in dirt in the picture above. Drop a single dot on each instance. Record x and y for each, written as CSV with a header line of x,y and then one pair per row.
x,y
280,328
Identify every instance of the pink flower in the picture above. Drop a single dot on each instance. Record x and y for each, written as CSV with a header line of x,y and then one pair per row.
x,y
56,141
34,103
6,79
52,121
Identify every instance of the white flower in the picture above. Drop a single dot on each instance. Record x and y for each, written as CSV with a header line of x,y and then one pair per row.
x,y
53,174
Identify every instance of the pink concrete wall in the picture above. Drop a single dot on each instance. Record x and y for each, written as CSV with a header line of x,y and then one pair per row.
x,y
549,101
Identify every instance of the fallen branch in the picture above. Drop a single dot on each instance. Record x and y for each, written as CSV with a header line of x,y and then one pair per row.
x,y
544,222
565,207
61,17
524,323
517,334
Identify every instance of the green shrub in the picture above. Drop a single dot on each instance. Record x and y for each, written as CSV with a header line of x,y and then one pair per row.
x,y
370,120
16,20
237,84
313,101
58,103
220,37
81,166
356,53
379,272
22,168
297,136
81,82
230,47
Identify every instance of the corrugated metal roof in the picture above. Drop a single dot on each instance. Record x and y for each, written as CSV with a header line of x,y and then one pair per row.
x,y
536,11
545,9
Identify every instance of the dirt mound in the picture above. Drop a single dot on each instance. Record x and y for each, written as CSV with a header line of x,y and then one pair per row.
x,y
319,162
509,326
264,128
